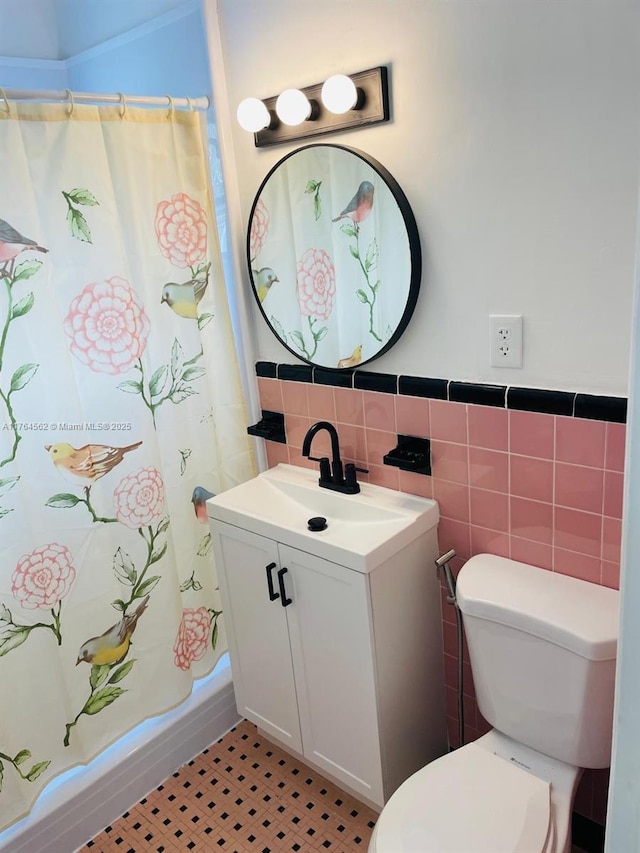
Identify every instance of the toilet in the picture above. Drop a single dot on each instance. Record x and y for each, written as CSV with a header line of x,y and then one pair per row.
x,y
543,651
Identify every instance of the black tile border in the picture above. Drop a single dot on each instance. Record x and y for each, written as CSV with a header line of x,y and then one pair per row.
x,y
481,395
267,369
296,372
420,386
339,379
601,408
538,400
365,380
549,402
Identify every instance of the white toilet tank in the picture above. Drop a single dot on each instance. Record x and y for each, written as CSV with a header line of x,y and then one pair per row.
x,y
543,655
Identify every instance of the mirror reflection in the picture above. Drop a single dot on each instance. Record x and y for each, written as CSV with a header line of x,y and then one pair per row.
x,y
334,256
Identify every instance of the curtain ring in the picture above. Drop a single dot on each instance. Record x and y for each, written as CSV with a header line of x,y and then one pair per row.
x,y
189,104
6,102
171,107
71,104
123,105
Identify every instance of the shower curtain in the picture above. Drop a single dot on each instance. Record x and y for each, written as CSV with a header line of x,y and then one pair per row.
x,y
121,409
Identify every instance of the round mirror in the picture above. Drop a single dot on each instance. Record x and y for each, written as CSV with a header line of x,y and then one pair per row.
x,y
334,256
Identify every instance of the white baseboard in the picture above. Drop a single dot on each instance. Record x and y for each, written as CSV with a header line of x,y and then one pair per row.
x,y
97,802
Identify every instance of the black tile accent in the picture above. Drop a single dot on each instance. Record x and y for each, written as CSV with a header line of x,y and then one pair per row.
x,y
590,406
601,408
268,369
366,381
587,834
337,378
295,372
538,400
418,386
481,395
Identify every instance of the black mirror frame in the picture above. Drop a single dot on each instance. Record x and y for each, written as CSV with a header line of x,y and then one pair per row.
x,y
412,235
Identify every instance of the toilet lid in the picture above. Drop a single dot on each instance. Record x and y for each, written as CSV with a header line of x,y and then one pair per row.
x,y
469,801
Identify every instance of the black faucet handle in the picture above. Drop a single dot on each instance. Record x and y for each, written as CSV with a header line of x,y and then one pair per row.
x,y
350,478
351,467
325,467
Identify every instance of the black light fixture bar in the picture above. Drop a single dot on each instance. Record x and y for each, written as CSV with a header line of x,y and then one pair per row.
x,y
373,93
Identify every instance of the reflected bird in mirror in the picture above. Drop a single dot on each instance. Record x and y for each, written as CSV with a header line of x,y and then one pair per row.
x,y
263,279
360,205
354,358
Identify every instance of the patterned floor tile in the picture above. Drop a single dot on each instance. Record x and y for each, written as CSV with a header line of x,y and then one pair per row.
x,y
242,795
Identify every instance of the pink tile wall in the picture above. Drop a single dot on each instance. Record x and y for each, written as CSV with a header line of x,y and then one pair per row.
x,y
543,489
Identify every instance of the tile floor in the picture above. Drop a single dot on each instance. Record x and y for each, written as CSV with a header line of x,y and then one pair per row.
x,y
242,795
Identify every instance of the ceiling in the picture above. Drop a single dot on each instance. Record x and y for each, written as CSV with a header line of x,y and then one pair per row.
x,y
59,29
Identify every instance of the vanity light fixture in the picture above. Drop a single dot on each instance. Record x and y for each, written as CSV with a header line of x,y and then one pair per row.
x,y
340,103
340,94
253,115
293,107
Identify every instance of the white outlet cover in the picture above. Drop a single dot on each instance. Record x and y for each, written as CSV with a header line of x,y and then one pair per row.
x,y
505,340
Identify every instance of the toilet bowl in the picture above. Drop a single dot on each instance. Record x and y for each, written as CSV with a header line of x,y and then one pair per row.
x,y
542,648
491,796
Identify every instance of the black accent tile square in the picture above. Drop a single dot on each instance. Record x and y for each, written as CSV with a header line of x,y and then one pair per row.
x,y
419,386
267,369
613,409
295,372
387,383
539,400
337,378
481,395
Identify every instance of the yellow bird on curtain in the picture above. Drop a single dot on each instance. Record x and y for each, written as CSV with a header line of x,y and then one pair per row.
x,y
112,646
183,299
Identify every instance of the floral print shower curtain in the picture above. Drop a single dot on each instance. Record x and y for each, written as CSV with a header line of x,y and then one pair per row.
x,y
121,409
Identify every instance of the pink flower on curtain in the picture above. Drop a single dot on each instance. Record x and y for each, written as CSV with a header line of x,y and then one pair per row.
x,y
107,326
192,640
139,498
316,284
259,229
43,577
181,229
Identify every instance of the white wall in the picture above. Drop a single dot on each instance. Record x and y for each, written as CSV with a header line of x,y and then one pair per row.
x,y
514,134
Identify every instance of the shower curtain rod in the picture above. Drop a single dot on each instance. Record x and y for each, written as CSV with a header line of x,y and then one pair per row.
x,y
201,103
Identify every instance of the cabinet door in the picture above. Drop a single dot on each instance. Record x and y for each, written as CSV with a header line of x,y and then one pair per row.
x,y
331,646
257,631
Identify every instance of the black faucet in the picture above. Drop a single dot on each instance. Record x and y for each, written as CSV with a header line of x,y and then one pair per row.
x,y
332,475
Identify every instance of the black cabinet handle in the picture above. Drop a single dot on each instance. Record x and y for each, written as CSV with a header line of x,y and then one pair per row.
x,y
272,593
283,595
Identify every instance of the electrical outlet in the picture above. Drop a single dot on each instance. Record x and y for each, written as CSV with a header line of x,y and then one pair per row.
x,y
506,340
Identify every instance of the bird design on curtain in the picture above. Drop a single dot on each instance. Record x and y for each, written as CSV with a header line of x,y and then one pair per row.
x,y
116,352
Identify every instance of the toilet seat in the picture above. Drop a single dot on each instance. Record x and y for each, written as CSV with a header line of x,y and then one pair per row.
x,y
469,801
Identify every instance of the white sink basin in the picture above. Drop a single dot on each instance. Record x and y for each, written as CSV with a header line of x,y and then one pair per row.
x,y
362,530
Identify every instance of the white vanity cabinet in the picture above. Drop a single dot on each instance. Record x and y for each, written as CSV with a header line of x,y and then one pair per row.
x,y
304,672
341,665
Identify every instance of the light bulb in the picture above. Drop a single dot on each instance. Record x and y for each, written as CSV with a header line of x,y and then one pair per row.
x,y
293,107
253,115
339,94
